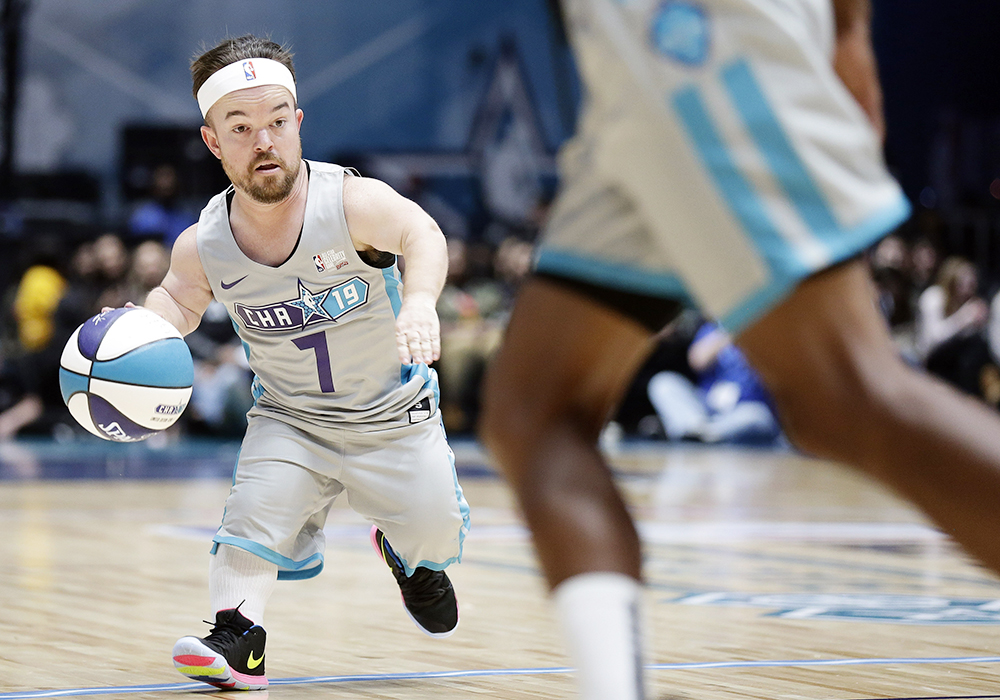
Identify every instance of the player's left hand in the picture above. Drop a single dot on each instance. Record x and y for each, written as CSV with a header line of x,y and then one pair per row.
x,y
128,305
418,331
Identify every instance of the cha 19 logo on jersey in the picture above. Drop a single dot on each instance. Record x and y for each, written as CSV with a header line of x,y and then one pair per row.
x,y
309,308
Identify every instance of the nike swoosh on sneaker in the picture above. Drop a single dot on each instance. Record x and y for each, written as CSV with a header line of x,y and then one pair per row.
x,y
232,284
253,663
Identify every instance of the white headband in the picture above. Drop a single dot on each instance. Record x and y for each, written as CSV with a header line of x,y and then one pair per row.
x,y
243,74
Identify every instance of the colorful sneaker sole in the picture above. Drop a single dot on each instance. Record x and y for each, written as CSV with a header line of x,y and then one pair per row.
x,y
199,663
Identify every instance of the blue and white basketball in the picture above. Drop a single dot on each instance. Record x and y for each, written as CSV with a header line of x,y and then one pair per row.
x,y
126,374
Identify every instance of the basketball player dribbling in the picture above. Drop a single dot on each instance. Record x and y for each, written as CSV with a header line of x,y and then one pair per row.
x,y
303,255
728,154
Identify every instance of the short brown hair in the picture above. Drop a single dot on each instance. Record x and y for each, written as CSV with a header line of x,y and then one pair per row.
x,y
239,49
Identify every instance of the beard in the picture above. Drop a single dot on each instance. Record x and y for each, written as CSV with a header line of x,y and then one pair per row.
x,y
269,190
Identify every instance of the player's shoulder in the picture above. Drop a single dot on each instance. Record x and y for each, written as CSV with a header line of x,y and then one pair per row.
x,y
186,243
365,191
188,235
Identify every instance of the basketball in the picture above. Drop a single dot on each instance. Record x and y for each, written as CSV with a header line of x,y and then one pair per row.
x,y
126,374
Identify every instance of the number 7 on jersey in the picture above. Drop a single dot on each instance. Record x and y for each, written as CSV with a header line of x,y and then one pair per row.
x,y
317,343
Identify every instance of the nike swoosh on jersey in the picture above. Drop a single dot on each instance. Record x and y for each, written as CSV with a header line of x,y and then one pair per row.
x,y
233,283
253,663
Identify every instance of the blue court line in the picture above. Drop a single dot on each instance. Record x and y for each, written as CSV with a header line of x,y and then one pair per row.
x,y
382,677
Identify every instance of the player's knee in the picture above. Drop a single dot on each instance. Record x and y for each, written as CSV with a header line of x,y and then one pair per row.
x,y
842,414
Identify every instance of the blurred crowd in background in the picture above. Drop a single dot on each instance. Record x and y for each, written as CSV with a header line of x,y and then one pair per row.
x,y
460,107
696,386
58,284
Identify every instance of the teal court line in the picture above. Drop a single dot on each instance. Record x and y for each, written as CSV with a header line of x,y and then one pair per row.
x,y
431,675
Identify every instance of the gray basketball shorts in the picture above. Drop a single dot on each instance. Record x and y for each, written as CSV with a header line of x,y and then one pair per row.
x,y
402,479
719,158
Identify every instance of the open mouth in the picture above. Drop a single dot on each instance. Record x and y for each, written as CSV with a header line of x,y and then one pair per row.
x,y
267,168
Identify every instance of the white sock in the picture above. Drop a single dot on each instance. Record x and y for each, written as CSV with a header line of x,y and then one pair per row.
x,y
238,578
601,621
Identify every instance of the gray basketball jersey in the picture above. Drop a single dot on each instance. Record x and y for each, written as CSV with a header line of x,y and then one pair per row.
x,y
319,329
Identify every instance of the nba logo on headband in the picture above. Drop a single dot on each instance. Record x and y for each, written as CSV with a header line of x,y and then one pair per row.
x,y
257,71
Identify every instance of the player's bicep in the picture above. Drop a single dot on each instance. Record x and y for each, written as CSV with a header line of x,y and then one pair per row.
x,y
184,293
379,217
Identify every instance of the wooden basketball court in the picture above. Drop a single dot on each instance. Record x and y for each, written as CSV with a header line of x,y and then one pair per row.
x,y
770,576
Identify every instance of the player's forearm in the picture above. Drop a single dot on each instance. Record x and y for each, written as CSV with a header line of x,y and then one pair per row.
x,y
161,302
425,256
854,58
25,411
703,353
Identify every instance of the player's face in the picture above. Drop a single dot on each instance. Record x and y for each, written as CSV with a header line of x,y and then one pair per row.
x,y
255,133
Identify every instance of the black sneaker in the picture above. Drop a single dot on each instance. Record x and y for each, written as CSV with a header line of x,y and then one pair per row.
x,y
428,596
230,657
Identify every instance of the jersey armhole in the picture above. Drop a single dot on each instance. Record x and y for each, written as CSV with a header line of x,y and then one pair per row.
x,y
379,259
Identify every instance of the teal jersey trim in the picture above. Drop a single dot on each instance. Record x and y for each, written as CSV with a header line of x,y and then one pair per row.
x,y
850,243
408,372
746,205
246,346
768,134
739,195
435,387
611,274
288,569
393,287
256,390
463,507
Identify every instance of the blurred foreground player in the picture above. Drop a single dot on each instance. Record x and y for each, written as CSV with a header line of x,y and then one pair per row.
x,y
303,255
728,153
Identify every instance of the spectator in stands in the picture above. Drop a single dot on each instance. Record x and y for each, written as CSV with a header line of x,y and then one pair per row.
x,y
729,404
511,264
993,328
38,293
160,217
83,288
924,261
112,268
951,319
150,261
30,400
892,274
221,394
454,224
18,407
469,308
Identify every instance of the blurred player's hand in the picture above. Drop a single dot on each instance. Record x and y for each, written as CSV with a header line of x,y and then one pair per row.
x,y
418,331
128,305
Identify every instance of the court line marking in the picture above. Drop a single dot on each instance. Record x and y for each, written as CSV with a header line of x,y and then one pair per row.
x,y
426,675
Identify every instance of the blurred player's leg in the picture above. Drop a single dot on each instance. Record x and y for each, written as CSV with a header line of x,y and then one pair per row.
x,y
565,364
843,393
